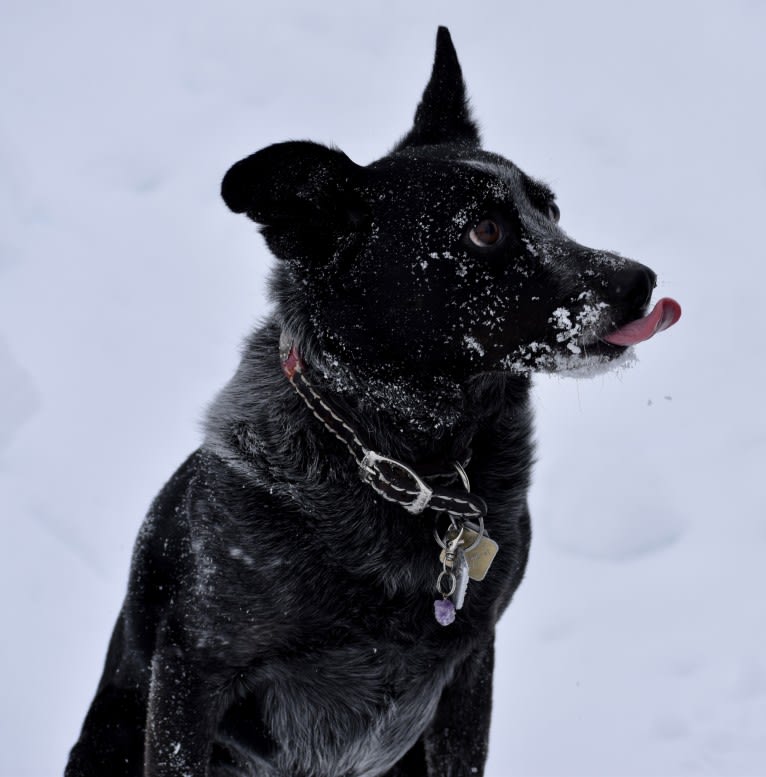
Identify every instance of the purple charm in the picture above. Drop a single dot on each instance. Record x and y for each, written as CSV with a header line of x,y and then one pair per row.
x,y
444,611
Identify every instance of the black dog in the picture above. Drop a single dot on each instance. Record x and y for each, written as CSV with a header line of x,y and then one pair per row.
x,y
299,602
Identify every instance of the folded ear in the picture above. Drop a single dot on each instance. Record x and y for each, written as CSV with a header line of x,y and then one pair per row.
x,y
289,181
304,194
443,115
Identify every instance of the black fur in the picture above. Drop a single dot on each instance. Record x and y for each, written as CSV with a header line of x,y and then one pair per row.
x,y
279,616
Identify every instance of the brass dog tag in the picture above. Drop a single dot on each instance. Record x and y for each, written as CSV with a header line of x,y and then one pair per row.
x,y
479,558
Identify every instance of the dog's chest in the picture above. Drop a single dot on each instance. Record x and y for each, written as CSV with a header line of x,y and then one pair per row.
x,y
337,659
344,710
339,678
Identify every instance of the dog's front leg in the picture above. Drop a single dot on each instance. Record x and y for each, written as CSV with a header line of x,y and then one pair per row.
x,y
180,718
456,741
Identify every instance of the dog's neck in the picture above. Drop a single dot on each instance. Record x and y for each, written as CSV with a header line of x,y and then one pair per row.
x,y
422,411
425,419
433,415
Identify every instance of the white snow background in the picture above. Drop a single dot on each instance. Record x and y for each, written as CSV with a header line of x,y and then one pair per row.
x,y
637,643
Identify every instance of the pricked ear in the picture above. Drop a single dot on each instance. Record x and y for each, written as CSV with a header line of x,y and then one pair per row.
x,y
443,115
291,182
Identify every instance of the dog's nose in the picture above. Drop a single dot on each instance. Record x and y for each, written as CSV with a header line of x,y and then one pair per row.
x,y
632,286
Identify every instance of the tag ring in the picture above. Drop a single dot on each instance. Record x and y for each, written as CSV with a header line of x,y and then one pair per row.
x,y
463,475
480,536
452,580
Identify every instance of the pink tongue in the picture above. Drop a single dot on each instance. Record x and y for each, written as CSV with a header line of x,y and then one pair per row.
x,y
665,313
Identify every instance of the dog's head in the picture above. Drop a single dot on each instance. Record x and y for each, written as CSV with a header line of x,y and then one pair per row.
x,y
440,257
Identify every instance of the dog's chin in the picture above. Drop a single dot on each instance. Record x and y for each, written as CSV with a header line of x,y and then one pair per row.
x,y
592,363
576,360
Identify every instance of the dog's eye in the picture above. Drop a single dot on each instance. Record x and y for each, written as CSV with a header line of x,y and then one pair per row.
x,y
554,214
485,233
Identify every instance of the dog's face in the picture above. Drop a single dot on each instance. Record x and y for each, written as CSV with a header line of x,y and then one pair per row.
x,y
439,258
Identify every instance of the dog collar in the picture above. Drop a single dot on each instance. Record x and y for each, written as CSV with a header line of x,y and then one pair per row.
x,y
391,478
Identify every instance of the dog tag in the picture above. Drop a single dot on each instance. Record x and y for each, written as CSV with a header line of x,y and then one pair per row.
x,y
480,558
461,571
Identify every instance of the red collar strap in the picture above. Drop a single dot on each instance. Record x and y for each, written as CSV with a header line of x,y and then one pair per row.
x,y
392,479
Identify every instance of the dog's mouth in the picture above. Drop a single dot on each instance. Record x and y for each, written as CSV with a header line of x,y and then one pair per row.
x,y
663,315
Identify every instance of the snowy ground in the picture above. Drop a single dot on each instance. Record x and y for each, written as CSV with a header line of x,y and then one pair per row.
x,y
637,644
